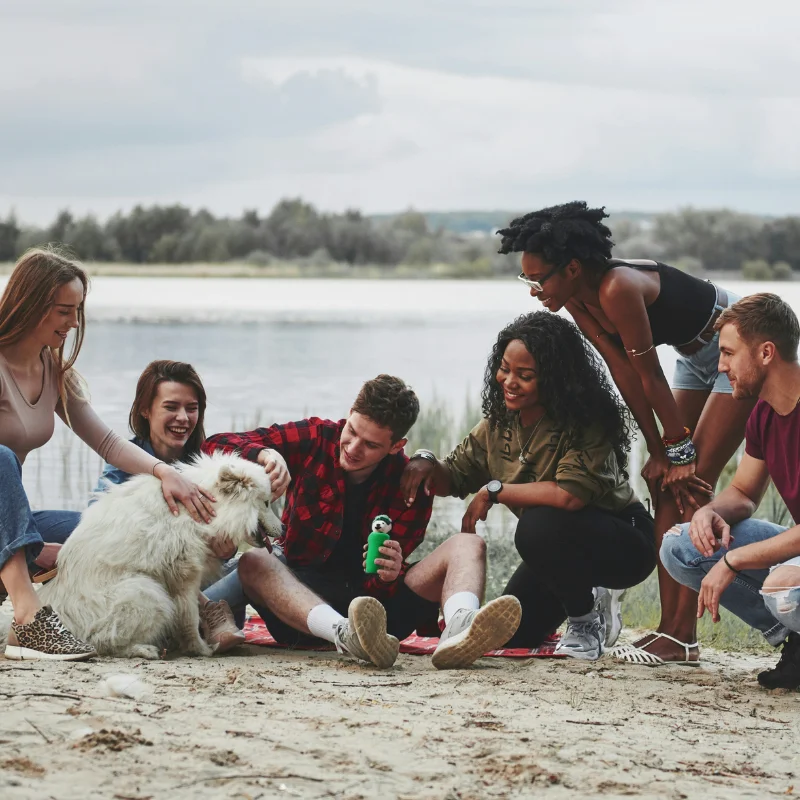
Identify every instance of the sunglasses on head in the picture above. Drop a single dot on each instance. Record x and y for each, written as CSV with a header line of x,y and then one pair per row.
x,y
537,286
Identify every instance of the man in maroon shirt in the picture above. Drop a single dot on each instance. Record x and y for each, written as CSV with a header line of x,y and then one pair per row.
x,y
750,566
343,475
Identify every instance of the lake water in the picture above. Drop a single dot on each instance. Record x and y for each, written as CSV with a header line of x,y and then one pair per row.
x,y
274,350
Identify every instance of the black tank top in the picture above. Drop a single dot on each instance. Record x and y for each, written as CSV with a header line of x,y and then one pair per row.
x,y
684,304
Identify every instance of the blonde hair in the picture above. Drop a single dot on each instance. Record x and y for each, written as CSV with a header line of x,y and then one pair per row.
x,y
28,297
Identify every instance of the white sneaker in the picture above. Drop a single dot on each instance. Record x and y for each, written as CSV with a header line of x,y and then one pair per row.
x,y
363,634
470,634
584,637
609,604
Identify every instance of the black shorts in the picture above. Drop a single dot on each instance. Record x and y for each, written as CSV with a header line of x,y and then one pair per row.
x,y
406,611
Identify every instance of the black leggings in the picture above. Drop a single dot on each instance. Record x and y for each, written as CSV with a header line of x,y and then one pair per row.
x,y
566,553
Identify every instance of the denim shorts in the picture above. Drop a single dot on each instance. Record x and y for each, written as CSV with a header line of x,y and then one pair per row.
x,y
700,371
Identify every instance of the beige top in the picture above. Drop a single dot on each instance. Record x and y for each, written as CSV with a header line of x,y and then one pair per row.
x,y
585,466
25,426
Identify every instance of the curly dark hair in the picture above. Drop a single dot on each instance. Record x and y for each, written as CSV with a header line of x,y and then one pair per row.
x,y
389,402
574,387
560,233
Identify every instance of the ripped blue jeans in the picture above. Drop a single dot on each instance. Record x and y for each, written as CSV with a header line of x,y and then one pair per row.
x,y
743,597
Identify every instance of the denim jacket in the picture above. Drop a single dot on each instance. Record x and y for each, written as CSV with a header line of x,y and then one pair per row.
x,y
111,476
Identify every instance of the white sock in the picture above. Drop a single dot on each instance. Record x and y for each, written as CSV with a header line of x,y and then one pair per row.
x,y
460,600
321,621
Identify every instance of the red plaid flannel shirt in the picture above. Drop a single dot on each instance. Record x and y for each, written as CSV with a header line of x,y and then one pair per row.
x,y
314,508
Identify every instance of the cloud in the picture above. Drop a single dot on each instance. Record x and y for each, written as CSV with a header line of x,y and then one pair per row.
x,y
438,105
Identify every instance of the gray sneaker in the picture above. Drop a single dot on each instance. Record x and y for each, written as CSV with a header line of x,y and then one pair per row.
x,y
584,638
609,604
470,634
363,634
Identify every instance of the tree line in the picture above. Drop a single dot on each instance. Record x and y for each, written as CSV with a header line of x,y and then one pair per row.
x,y
696,240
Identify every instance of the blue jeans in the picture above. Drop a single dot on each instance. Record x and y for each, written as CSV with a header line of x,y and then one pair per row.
x,y
19,526
229,587
743,597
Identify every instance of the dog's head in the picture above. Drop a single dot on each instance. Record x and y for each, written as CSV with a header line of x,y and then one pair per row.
x,y
243,493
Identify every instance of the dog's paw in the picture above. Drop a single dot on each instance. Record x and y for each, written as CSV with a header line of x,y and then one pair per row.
x,y
197,647
148,651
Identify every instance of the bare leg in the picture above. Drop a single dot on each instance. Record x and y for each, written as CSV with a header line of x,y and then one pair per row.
x,y
458,565
718,432
17,581
782,578
270,583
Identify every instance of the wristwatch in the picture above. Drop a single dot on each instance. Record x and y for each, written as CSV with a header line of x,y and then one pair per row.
x,y
426,454
494,488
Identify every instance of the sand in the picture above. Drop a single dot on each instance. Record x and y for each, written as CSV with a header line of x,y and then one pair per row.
x,y
264,723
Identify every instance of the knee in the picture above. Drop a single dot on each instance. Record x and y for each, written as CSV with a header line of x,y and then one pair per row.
x,y
782,578
8,461
254,565
677,551
471,542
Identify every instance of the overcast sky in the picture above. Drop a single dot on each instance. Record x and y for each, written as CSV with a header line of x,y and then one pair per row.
x,y
378,105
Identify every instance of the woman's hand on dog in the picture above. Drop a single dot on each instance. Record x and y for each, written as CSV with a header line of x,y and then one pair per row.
x,y
390,566
177,489
275,467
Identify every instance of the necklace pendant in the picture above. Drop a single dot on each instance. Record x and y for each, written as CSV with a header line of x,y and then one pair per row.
x,y
522,460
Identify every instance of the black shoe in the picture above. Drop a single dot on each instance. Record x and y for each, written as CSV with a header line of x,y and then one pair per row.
x,y
786,674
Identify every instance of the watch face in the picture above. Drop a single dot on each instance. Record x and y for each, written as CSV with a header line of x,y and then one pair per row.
x,y
494,486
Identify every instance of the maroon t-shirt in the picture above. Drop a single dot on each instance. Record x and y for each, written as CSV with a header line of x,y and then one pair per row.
x,y
774,439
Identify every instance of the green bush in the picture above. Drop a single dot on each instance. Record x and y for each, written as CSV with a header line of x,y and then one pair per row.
x,y
781,271
757,270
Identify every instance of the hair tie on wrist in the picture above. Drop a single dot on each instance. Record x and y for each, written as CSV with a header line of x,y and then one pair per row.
x,y
729,565
153,471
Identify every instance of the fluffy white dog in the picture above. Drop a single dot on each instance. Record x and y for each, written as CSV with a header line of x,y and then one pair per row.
x,y
129,575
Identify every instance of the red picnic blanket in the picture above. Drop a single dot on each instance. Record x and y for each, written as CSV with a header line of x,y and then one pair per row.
x,y
257,633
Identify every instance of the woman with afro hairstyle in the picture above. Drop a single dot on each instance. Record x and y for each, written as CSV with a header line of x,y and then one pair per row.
x,y
626,309
553,447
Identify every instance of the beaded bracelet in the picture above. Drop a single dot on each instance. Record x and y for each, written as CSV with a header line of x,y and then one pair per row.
x,y
668,442
682,453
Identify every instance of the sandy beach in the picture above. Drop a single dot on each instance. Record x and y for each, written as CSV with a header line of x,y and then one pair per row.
x,y
264,723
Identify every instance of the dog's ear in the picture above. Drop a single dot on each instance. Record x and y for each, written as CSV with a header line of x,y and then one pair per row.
x,y
231,482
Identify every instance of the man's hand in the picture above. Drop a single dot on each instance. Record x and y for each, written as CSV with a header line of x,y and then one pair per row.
x,y
708,532
477,510
222,546
418,471
390,566
275,467
719,578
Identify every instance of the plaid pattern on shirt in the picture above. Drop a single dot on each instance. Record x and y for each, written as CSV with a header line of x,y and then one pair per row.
x,y
314,509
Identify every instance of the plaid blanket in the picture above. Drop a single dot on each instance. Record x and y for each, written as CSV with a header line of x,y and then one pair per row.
x,y
257,633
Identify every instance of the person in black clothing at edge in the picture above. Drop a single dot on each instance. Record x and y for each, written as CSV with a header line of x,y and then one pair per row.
x,y
552,446
626,309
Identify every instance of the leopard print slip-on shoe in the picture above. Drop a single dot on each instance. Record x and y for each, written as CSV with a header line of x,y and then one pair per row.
x,y
46,639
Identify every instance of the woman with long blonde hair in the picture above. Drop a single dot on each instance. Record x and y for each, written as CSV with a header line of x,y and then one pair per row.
x,y
42,302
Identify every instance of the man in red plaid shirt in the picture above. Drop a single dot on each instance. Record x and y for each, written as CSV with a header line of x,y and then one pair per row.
x,y
343,475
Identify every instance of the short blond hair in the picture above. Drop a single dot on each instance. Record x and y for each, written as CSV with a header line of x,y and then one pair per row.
x,y
764,317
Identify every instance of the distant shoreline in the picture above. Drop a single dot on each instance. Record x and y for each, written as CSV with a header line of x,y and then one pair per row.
x,y
290,270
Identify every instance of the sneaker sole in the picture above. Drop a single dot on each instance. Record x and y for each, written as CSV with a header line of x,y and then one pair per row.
x,y
368,618
14,653
577,654
227,641
492,627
